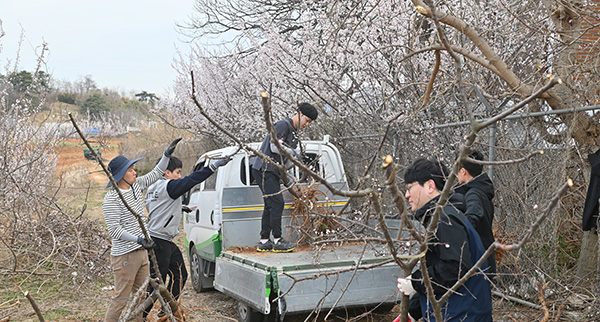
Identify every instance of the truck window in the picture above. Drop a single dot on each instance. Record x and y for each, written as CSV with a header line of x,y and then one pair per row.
x,y
246,169
311,161
209,184
196,187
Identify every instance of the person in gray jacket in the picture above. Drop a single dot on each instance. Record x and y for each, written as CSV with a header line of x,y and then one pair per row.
x,y
164,205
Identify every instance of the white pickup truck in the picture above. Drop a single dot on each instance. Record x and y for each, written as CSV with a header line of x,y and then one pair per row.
x,y
222,231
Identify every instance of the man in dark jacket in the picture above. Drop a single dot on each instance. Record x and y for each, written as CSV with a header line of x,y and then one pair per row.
x,y
268,177
478,191
450,253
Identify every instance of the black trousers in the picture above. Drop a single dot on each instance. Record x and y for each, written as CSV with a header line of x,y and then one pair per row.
x,y
170,263
414,306
269,184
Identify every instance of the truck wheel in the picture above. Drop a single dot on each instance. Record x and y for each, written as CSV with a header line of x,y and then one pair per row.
x,y
200,282
247,313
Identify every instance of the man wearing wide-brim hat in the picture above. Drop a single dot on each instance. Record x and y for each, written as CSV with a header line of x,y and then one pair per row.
x,y
129,257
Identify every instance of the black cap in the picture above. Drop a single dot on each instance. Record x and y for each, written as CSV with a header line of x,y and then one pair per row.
x,y
308,110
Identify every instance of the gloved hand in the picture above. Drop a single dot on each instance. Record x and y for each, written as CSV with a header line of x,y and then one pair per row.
x,y
288,164
171,148
405,285
218,163
147,244
291,181
297,152
290,151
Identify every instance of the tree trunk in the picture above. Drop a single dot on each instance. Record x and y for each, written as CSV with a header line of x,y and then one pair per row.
x,y
583,129
588,257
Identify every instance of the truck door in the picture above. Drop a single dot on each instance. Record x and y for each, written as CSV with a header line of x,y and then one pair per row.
x,y
203,230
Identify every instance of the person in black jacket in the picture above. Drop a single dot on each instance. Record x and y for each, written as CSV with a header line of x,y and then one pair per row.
x,y
478,191
451,252
268,177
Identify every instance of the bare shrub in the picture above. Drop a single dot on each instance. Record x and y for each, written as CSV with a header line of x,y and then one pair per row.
x,y
39,237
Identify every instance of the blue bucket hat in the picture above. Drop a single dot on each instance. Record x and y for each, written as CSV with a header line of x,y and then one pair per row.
x,y
118,166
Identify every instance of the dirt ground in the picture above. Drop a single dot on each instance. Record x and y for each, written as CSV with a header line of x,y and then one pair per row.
x,y
83,180
84,183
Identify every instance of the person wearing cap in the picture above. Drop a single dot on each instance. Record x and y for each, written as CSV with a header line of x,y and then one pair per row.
x,y
268,177
129,258
164,205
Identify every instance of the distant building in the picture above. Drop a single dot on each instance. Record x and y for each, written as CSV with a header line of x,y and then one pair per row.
x,y
92,132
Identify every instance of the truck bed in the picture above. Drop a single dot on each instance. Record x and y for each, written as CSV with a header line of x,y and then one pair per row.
x,y
343,276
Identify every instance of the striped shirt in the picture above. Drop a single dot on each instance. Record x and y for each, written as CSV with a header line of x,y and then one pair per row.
x,y
119,219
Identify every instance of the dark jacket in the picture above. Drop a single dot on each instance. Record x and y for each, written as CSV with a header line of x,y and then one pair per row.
x,y
478,194
590,209
286,134
451,253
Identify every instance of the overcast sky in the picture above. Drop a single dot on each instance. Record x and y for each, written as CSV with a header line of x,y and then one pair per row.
x,y
125,45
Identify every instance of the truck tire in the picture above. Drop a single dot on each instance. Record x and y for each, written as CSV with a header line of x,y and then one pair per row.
x,y
200,282
247,313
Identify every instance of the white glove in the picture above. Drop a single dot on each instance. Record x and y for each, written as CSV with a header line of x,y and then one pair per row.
x,y
405,285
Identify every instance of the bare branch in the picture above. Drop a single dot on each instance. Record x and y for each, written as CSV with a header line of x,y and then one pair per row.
x,y
34,306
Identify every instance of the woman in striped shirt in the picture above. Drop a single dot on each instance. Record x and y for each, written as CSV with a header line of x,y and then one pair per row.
x,y
129,257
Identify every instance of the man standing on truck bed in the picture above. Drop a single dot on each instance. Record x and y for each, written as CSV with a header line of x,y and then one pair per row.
x,y
164,205
268,177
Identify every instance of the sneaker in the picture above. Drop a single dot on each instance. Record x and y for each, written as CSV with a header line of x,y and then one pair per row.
x,y
265,247
283,246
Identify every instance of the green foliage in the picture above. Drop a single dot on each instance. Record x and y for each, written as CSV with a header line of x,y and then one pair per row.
x,y
95,105
68,98
42,80
137,106
21,81
25,85
146,97
26,82
131,104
